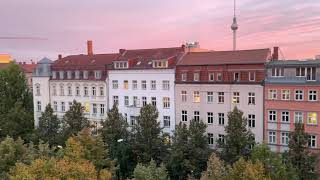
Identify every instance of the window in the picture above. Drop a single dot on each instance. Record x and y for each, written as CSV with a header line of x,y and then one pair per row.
x,y
153,85
184,96
298,117
166,121
220,97
277,72
236,77
298,95
210,117
97,74
311,74
300,72
69,105
196,116
285,94
115,84
196,96
272,137
116,100
69,91
38,106
125,84
61,90
312,118
184,116
221,118
209,97
312,95
312,141
101,91
160,64
77,91
210,139
272,95
285,116
135,101
166,102
284,138
37,89
211,76
133,120
154,101
86,93
184,77
54,75
272,115
251,120
251,98
126,100
221,138
121,65
63,108
54,90
144,101
94,92
236,98
55,106
196,76
252,76
94,109
61,74
165,85
85,74
219,77
134,84
144,85
77,74
69,74
101,109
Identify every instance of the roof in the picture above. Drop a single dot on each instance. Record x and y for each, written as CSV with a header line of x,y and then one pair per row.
x,y
143,57
252,56
293,63
85,60
28,68
45,60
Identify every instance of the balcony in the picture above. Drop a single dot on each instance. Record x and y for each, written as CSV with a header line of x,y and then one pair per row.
x,y
289,80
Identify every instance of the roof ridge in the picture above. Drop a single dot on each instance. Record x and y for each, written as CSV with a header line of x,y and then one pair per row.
x,y
203,52
153,48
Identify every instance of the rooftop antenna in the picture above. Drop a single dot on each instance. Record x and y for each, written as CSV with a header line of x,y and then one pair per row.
x,y
234,26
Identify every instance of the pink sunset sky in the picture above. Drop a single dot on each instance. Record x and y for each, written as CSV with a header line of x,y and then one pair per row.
x,y
53,27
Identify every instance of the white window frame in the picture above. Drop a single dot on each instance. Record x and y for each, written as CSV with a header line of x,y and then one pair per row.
x,y
165,85
209,97
277,72
272,94
272,137
115,84
196,97
184,116
211,77
196,116
251,120
210,139
166,119
310,118
313,95
312,141
285,138
298,93
220,97
166,102
143,84
153,84
184,77
210,117
196,76
298,117
285,116
285,94
236,98
251,98
273,114
221,119
252,76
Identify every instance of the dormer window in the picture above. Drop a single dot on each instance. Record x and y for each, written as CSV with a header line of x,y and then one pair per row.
x,y
85,74
61,74
54,75
184,76
69,74
77,74
121,65
196,76
236,77
97,74
160,64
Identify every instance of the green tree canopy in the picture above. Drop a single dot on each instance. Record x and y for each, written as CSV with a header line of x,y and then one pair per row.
x,y
150,172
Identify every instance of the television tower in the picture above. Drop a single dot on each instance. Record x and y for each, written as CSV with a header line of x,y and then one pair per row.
x,y
234,26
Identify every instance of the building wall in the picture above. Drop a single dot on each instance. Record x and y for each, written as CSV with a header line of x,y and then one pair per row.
x,y
158,75
204,107
43,97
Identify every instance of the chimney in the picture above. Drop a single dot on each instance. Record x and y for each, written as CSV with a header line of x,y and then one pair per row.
x,y
275,55
121,51
59,56
89,47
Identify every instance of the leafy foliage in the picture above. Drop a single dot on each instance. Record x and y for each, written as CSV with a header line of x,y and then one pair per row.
x,y
150,172
216,169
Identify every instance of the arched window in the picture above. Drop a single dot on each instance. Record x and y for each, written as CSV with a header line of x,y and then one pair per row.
x,y
37,89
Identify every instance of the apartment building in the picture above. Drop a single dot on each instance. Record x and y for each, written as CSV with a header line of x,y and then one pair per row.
x,y
291,95
77,77
211,84
145,76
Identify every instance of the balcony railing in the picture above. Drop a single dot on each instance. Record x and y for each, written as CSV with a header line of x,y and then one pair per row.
x,y
288,80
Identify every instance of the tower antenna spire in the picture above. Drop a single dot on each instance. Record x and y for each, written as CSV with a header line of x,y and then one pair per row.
x,y
234,26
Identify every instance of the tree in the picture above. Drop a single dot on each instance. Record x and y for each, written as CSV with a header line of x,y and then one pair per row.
x,y
246,170
274,164
298,153
150,172
238,138
216,169
49,127
74,120
148,143
115,128
16,105
189,151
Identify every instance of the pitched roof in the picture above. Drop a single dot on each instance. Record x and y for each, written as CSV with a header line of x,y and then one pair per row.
x,y
28,68
85,60
226,57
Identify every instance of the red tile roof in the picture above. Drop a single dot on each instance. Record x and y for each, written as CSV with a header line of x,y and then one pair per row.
x,y
226,57
28,68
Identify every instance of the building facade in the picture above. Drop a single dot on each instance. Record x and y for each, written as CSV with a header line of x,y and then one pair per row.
x,y
211,84
291,95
